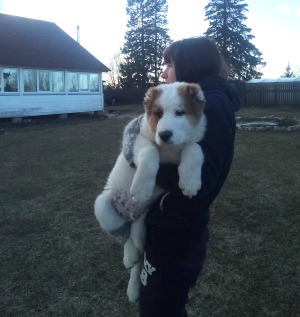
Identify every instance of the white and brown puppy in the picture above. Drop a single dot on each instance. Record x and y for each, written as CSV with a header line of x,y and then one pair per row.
x,y
168,133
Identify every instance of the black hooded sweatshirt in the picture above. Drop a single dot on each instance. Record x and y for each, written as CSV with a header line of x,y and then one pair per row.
x,y
183,218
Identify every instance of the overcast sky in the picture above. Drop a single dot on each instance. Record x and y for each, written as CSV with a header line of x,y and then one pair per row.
x,y
274,23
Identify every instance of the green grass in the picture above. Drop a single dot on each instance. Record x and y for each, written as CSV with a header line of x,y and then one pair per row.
x,y
55,261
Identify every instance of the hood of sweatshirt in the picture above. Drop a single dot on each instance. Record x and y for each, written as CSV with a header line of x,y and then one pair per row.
x,y
213,84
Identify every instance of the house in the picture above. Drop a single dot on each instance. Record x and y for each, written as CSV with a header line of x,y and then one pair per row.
x,y
45,71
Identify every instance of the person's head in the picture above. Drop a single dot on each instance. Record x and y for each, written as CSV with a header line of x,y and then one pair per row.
x,y
192,59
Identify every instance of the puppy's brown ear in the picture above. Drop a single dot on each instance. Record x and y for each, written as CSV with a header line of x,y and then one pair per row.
x,y
150,97
194,92
192,89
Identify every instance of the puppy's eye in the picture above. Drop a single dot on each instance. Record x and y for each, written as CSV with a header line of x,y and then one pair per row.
x,y
179,113
158,114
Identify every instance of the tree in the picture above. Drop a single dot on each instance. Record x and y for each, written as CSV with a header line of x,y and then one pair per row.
x,y
113,77
288,72
146,38
159,38
296,71
233,38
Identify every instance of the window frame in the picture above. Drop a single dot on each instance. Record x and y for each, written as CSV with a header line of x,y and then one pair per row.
x,y
99,81
2,92
88,91
21,82
42,92
38,82
64,82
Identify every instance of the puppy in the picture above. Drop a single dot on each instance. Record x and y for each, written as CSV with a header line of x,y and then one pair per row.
x,y
168,132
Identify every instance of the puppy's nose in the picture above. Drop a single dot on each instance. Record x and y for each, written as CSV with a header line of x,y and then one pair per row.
x,y
165,135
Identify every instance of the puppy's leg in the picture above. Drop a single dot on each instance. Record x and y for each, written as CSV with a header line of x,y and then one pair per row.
x,y
143,183
110,220
138,233
135,245
133,289
189,170
131,254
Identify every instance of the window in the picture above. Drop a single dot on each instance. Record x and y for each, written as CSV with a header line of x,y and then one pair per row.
x,y
30,80
81,82
58,84
94,82
84,84
44,80
9,80
73,82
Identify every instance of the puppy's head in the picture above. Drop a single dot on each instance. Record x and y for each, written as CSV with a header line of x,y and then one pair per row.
x,y
174,112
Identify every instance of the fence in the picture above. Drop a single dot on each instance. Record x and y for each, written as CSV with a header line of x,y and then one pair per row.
x,y
257,92
124,96
270,94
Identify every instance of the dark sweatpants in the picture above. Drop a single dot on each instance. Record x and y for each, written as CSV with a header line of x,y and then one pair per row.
x,y
175,251
166,291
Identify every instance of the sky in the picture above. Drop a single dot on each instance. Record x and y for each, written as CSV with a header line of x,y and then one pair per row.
x,y
274,23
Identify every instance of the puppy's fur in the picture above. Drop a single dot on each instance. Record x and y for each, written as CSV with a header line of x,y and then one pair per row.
x,y
169,131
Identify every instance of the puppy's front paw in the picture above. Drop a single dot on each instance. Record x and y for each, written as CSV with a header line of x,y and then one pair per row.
x,y
189,189
189,181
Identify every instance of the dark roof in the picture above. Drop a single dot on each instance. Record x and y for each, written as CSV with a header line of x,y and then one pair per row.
x,y
39,44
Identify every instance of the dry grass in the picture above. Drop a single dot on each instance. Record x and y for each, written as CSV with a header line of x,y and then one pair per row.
x,y
55,261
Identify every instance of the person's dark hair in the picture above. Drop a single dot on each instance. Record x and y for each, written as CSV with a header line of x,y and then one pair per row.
x,y
194,59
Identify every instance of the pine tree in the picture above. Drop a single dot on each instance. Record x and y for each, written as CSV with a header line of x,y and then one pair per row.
x,y
133,70
288,72
296,71
146,38
159,38
233,37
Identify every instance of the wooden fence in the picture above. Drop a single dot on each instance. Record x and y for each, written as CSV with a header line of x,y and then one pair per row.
x,y
270,94
124,96
262,94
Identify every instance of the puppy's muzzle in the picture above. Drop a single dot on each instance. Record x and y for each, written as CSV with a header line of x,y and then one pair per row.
x,y
165,136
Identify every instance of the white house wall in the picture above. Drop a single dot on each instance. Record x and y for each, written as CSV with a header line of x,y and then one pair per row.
x,y
37,105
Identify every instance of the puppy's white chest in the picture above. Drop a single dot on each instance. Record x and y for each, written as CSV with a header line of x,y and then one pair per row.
x,y
170,154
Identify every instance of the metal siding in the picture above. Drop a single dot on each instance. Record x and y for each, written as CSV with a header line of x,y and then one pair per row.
x,y
36,105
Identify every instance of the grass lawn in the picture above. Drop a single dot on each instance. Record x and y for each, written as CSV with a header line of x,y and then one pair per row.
x,y
55,261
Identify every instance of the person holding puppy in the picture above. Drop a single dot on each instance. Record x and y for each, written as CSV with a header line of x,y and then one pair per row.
x,y
177,232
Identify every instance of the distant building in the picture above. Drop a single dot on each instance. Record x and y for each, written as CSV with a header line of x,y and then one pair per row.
x,y
45,71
